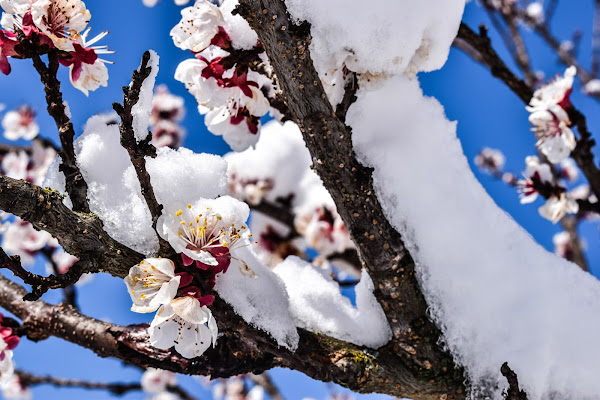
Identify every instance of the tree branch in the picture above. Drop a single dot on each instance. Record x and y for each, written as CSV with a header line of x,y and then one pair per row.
x,y
513,393
119,389
75,184
139,150
582,154
41,284
380,246
240,349
80,234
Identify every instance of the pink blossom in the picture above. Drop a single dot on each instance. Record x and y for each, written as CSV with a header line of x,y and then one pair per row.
x,y
20,124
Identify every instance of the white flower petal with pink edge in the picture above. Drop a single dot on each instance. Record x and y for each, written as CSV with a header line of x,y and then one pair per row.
x,y
237,136
198,25
152,283
209,223
170,329
558,144
13,388
553,93
16,7
20,124
556,207
535,166
61,20
14,165
156,380
92,77
6,363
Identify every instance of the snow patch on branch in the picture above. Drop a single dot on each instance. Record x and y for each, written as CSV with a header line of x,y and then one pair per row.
x,y
317,304
384,37
262,300
142,109
498,295
177,176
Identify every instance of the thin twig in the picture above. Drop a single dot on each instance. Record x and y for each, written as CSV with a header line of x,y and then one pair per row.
x,y
119,389
75,184
41,284
513,393
266,382
582,154
69,292
139,150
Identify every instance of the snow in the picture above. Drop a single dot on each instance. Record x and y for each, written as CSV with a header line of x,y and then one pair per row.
x,y
262,300
178,177
182,177
142,109
280,155
242,36
318,305
384,36
496,293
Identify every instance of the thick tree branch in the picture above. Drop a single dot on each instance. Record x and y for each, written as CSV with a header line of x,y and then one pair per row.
x,y
240,349
80,234
351,186
75,184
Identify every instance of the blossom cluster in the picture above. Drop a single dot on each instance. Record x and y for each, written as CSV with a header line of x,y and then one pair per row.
x,y
490,161
167,112
205,239
182,320
58,25
232,94
29,165
549,116
540,181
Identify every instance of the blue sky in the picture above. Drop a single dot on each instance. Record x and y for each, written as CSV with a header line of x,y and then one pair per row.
x,y
488,114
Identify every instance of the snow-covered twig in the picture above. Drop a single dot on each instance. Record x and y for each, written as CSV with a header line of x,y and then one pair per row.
x,y
138,150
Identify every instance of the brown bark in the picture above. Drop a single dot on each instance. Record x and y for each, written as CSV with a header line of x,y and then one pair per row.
x,y
350,183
